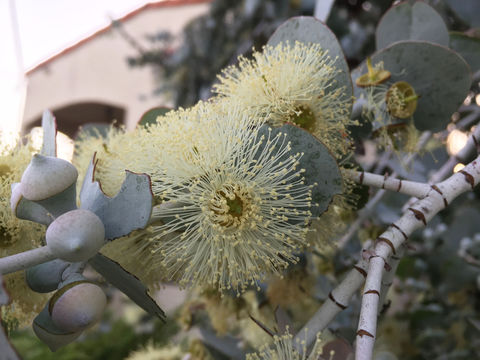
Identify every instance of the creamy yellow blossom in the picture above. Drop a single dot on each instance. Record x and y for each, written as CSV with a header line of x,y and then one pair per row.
x,y
195,351
296,83
238,210
17,236
390,108
283,349
293,83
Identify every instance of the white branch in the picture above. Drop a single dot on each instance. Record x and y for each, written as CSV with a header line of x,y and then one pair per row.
x,y
416,216
368,208
411,188
338,300
352,282
26,259
389,276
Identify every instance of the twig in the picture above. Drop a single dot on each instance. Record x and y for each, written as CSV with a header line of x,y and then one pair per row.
x,y
411,188
338,300
326,313
416,216
388,278
368,208
26,259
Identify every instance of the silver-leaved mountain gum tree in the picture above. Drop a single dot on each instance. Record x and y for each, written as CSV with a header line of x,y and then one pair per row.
x,y
232,195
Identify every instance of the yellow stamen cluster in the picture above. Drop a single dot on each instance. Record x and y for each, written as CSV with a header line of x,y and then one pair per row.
x,y
16,236
392,106
237,214
292,83
283,349
232,204
295,83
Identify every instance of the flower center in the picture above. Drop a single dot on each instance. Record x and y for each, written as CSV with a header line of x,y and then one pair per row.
x,y
401,100
303,116
4,169
230,206
235,206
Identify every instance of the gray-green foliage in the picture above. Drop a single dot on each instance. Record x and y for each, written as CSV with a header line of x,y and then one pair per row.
x,y
439,75
321,169
116,275
468,47
411,22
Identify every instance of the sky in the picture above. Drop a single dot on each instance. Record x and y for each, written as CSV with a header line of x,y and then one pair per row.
x,y
33,30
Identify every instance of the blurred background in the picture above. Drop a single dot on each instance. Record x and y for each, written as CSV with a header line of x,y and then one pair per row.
x,y
98,62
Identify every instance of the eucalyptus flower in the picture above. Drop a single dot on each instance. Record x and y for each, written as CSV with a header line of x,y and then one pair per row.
x,y
292,83
233,211
283,349
296,83
390,108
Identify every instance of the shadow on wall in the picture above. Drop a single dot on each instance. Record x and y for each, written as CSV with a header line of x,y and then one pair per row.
x,y
72,116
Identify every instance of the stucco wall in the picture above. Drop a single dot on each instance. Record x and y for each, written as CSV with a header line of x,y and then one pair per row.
x,y
97,70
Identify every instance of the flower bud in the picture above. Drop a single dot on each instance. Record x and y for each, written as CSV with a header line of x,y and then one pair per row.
x,y
50,334
76,235
77,306
46,176
45,277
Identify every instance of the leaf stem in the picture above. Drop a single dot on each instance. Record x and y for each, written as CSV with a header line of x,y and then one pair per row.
x,y
26,259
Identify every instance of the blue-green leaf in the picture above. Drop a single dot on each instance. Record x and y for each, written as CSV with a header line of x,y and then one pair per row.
x,y
150,116
129,210
321,169
129,284
411,22
439,75
467,10
468,47
49,126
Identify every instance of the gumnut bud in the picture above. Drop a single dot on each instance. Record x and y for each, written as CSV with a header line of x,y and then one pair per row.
x,y
50,334
76,235
47,176
77,306
45,277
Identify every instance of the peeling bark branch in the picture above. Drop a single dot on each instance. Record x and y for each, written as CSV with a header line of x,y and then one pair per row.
x,y
355,278
337,301
411,188
417,216
365,212
388,277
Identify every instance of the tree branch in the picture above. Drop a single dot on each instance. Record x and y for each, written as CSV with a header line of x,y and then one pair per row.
x,y
411,188
388,278
415,217
26,259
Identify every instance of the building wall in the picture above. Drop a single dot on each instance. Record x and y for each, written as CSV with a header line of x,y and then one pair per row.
x,y
96,71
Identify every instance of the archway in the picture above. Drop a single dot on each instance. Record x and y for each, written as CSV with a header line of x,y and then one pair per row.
x,y
71,117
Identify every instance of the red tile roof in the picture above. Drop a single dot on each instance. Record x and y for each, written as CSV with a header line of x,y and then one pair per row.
x,y
152,5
